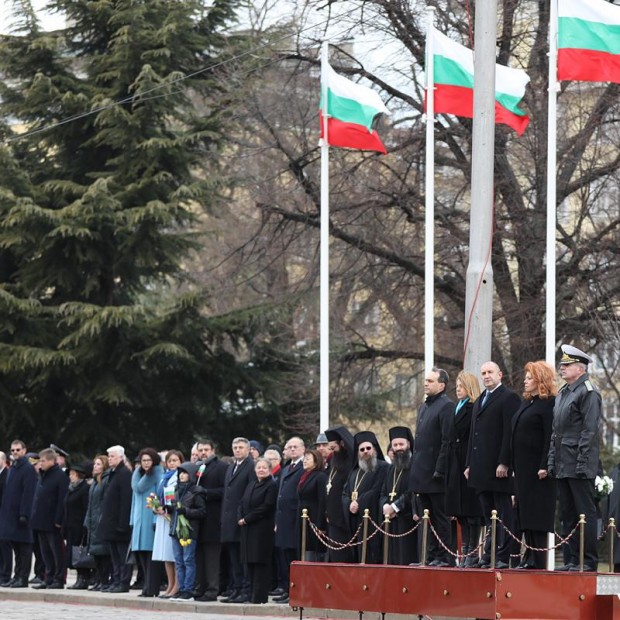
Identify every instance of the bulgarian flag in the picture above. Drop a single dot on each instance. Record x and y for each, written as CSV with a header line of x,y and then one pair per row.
x,y
454,84
353,111
588,41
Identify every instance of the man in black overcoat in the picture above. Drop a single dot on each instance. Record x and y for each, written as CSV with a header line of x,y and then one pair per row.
x,y
114,525
286,514
396,499
488,459
238,475
47,518
6,556
16,511
362,491
338,470
211,476
428,464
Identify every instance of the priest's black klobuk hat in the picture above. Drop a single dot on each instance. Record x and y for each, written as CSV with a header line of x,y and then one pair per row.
x,y
364,436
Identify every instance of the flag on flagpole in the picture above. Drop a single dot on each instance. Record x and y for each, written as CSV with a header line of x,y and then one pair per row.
x,y
588,41
454,84
353,111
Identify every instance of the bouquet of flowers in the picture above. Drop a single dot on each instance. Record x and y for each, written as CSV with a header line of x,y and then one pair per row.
x,y
153,503
183,529
603,486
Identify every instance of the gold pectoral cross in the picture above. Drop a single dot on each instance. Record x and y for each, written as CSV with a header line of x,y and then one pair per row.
x,y
392,495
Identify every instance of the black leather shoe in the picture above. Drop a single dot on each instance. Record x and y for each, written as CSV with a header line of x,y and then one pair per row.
x,y
19,583
242,598
205,598
116,590
586,569
502,565
6,583
232,594
567,567
36,581
439,564
39,586
277,592
483,565
280,599
526,566
56,585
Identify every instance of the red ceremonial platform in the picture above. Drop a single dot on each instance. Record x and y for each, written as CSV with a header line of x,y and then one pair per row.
x,y
484,594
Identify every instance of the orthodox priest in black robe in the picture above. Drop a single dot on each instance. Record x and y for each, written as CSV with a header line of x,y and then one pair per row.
x,y
339,467
362,491
396,498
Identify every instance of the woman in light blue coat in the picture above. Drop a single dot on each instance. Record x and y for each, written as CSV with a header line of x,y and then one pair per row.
x,y
144,481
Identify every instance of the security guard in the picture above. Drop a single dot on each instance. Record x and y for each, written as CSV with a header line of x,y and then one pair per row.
x,y
574,453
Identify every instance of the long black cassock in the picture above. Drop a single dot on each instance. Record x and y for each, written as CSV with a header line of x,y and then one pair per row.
x,y
396,491
365,488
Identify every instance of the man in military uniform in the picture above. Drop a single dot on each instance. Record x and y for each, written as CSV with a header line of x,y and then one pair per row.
x,y
574,453
396,499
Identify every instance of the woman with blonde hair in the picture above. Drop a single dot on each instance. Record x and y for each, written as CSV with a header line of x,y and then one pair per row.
x,y
461,500
531,435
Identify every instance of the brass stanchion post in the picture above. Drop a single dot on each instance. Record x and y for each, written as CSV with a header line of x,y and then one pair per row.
x,y
612,536
582,540
493,536
304,532
425,520
366,517
386,538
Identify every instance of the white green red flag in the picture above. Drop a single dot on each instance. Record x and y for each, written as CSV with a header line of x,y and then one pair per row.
x,y
454,84
353,111
588,41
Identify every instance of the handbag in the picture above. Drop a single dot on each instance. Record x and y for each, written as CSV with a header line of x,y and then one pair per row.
x,y
80,558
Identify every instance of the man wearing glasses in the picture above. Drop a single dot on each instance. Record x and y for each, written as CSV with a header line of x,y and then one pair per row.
x,y
574,453
16,511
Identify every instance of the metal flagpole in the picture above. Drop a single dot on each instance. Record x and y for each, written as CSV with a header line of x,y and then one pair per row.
x,y
429,218
324,251
479,283
551,206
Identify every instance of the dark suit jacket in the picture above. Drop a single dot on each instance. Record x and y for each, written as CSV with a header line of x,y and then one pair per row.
x,y
489,440
234,488
286,508
116,507
431,444
48,507
17,502
212,481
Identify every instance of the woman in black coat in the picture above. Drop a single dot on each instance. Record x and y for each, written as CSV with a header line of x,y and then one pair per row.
x,y
76,505
96,546
256,518
461,499
311,490
531,435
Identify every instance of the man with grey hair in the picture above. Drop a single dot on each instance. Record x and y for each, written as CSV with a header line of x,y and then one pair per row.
x,y
6,557
574,454
489,458
114,525
237,477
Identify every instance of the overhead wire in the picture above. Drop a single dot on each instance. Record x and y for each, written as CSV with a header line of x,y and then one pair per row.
x,y
167,84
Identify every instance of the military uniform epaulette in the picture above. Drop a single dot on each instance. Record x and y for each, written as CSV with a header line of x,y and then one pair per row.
x,y
588,385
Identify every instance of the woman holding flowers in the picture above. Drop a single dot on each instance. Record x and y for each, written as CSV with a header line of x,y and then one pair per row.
x,y
531,436
190,507
162,504
144,481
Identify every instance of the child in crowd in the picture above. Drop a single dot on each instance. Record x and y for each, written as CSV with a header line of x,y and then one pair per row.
x,y
191,505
